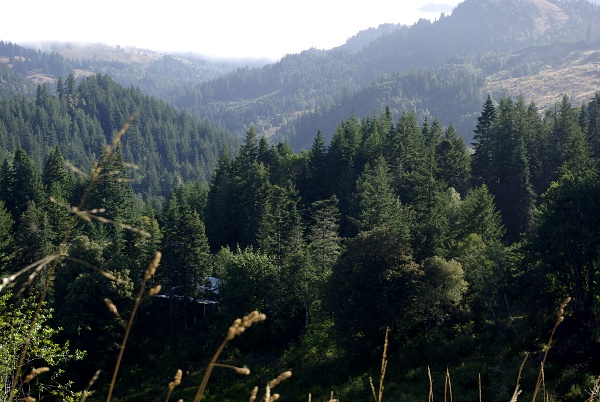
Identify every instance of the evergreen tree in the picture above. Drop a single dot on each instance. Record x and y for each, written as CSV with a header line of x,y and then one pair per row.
x,y
186,258
478,215
6,183
324,240
112,192
252,190
483,164
7,240
55,171
453,161
413,156
280,231
33,240
58,183
512,187
593,130
312,184
221,219
375,203
26,184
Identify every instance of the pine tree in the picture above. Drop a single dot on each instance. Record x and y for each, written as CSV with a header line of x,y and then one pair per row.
x,y
413,154
324,240
511,186
186,254
313,185
221,220
453,161
280,230
593,130
375,204
7,240
478,215
483,164
26,185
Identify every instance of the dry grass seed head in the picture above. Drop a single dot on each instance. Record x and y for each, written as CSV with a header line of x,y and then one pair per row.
x,y
153,265
176,380
154,291
239,325
34,373
282,377
253,394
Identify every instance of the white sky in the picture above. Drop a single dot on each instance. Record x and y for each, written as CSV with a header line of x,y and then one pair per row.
x,y
223,28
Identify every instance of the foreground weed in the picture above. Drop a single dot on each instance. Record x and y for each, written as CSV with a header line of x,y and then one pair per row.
x,y
52,261
377,396
237,328
560,318
147,276
268,396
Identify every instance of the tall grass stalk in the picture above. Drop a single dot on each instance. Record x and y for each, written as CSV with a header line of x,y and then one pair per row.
x,y
447,385
430,385
149,274
56,258
237,328
377,396
560,318
517,390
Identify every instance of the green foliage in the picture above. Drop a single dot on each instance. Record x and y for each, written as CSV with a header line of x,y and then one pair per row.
x,y
566,241
252,278
186,256
444,287
16,327
324,241
7,240
373,286
478,215
375,203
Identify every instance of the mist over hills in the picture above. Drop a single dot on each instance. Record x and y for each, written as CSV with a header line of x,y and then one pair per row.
x,y
442,69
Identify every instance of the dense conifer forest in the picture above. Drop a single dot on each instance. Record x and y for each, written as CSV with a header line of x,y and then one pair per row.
x,y
464,255
376,199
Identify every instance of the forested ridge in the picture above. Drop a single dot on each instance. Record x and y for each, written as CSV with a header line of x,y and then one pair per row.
x,y
479,39
167,146
394,223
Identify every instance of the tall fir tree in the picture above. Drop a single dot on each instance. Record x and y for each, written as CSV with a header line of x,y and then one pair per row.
x,y
483,165
26,185
186,257
374,202
453,161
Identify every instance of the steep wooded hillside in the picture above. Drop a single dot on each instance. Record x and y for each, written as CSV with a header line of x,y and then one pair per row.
x,y
167,145
479,34
537,48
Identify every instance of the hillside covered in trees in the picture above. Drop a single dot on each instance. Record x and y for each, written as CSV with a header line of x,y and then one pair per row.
x,y
430,182
393,224
535,48
166,146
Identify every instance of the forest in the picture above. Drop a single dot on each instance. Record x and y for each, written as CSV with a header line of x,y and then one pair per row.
x,y
461,254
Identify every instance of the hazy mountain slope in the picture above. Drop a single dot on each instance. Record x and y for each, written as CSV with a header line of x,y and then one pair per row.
x,y
485,36
155,74
273,96
450,93
546,73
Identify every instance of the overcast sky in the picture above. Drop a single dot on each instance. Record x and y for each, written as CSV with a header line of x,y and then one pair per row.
x,y
223,28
